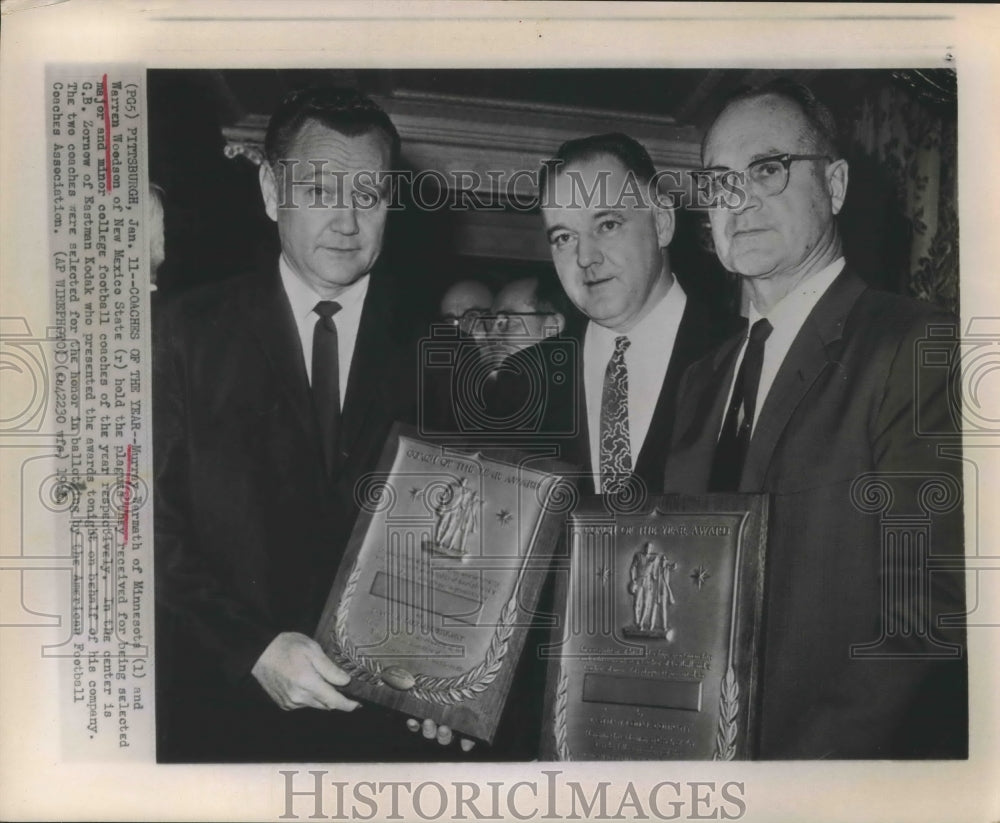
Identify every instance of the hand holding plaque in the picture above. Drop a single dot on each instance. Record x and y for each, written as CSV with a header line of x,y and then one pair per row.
x,y
430,607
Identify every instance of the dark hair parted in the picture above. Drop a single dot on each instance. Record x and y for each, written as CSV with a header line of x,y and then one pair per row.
x,y
822,124
346,111
627,150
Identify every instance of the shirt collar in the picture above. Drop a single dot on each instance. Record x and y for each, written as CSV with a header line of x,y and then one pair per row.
x,y
304,298
650,328
795,306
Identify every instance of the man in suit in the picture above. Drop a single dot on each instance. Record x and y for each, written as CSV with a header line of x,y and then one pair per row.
x,y
454,355
609,240
273,395
823,403
531,388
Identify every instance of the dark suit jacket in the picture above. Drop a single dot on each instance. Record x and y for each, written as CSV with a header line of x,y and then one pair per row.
x,y
249,527
540,395
854,396
698,333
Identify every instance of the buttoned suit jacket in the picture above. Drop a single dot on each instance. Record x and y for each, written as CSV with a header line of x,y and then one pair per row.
x,y
250,529
857,444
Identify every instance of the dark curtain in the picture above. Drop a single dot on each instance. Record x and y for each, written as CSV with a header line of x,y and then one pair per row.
x,y
909,129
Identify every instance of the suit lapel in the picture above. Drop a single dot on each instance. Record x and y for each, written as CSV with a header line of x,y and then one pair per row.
x,y
373,354
706,422
813,349
582,443
690,343
270,322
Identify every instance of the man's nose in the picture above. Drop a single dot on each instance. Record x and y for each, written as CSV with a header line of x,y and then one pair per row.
x,y
481,329
588,252
344,219
751,198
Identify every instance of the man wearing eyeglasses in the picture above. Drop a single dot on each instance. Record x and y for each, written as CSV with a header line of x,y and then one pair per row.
x,y
464,303
819,403
532,361
522,316
459,341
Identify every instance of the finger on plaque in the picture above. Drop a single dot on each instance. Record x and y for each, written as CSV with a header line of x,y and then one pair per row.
x,y
413,724
444,735
429,729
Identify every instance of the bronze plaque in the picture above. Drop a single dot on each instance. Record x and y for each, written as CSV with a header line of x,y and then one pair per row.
x,y
660,631
431,604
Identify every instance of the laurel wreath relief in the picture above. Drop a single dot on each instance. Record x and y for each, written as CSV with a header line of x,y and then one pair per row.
x,y
442,690
725,737
562,746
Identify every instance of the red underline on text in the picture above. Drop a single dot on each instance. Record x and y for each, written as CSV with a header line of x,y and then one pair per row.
x,y
127,494
107,156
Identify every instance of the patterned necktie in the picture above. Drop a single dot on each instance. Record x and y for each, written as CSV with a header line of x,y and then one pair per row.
x,y
326,380
731,450
616,451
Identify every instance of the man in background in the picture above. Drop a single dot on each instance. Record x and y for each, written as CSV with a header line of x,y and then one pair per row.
x,y
532,386
819,402
464,303
455,355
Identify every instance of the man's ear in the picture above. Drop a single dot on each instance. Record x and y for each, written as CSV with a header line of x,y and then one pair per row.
x,y
665,224
836,183
269,189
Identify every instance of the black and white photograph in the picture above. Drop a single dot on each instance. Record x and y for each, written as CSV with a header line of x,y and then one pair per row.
x,y
443,410
768,306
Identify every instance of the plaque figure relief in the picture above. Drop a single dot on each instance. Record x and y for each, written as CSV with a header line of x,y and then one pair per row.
x,y
652,597
432,602
661,617
456,515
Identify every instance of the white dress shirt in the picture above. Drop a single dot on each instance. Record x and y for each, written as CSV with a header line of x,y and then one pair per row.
x,y
647,358
786,319
304,299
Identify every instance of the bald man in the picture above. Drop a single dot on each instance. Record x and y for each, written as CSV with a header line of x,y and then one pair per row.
x,y
464,303
531,389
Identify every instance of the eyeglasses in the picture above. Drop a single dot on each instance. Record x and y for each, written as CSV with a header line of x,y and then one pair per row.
x,y
501,320
468,317
768,174
504,321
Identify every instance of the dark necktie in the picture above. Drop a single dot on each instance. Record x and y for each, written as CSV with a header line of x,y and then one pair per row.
x,y
731,450
616,451
326,380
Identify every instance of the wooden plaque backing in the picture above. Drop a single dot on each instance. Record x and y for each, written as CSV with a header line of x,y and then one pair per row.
x,y
442,573
658,651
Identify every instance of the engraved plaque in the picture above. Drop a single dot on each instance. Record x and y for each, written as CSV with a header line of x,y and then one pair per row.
x,y
430,607
660,631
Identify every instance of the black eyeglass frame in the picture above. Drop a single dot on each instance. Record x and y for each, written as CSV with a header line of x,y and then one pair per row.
x,y
786,160
468,314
